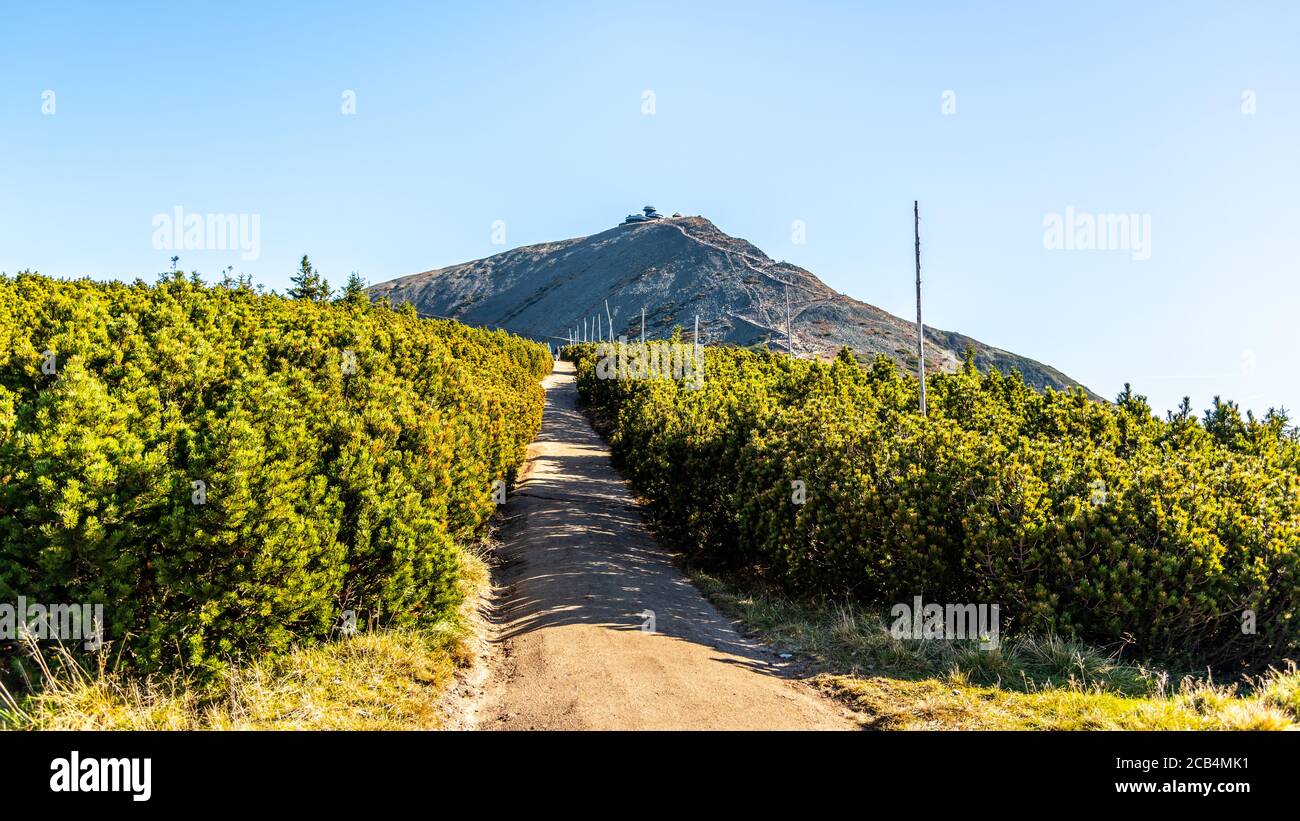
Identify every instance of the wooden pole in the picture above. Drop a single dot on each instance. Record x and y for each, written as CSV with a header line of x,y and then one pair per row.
x,y
642,324
789,340
695,348
920,328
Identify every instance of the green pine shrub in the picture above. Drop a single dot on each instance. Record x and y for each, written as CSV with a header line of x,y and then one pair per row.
x,y
326,490
1094,521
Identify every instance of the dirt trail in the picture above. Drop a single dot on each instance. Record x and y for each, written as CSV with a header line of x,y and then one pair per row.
x,y
580,576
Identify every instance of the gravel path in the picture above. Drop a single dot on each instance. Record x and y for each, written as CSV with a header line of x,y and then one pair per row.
x,y
579,580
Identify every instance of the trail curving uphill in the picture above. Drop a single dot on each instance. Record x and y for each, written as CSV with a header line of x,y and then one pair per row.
x,y
578,578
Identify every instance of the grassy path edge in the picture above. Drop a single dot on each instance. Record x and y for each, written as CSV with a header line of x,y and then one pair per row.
x,y
1027,684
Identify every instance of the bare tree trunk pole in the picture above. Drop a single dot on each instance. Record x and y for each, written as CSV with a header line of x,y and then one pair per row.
x,y
920,328
789,340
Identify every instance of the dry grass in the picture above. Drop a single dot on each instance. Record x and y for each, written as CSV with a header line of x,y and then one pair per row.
x,y
382,680
1025,684
955,704
372,681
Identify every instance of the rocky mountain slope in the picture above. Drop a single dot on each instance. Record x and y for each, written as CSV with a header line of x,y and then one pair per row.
x,y
677,268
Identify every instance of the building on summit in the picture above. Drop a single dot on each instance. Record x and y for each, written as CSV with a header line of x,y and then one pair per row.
x,y
648,214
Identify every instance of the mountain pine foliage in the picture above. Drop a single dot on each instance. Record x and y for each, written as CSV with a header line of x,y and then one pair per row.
x,y
1175,539
227,472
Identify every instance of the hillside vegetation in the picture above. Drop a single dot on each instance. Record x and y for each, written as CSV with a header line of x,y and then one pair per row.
x,y
1176,540
228,472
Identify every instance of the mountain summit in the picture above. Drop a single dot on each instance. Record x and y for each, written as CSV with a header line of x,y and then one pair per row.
x,y
677,268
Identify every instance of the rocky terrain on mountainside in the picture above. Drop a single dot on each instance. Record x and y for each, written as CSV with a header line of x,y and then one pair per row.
x,y
677,268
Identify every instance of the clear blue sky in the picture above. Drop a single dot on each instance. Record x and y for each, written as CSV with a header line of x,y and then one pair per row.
x,y
765,113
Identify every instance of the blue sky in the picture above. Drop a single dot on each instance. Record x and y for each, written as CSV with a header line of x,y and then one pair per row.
x,y
764,114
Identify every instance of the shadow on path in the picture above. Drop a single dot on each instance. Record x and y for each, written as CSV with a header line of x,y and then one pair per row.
x,y
580,577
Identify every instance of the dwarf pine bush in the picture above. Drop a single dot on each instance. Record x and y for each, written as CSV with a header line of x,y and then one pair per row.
x,y
227,471
1177,539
